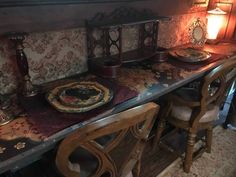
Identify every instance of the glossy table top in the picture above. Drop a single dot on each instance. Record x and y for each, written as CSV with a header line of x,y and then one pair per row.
x,y
21,142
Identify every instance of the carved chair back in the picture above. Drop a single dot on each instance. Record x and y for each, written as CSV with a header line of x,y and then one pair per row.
x,y
127,132
214,87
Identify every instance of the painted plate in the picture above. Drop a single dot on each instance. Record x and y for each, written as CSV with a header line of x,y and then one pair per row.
x,y
190,55
79,97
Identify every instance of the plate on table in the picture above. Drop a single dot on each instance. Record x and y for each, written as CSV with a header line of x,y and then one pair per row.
x,y
79,97
190,55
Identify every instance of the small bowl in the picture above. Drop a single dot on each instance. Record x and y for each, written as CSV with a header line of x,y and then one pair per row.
x,y
107,68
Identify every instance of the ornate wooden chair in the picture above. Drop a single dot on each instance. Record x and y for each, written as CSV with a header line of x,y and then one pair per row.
x,y
109,147
194,109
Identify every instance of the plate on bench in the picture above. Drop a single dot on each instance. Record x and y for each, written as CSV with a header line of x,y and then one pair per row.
x,y
190,55
79,97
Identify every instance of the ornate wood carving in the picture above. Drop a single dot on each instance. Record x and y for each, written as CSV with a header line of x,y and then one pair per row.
x,y
107,65
212,92
122,16
136,122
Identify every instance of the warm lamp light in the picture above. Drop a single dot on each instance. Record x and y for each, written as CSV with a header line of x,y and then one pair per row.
x,y
214,23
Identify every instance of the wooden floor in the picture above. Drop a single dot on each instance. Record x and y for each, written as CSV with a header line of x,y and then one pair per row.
x,y
155,161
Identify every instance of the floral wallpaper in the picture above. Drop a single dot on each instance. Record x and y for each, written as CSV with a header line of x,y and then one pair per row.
x,y
57,54
54,55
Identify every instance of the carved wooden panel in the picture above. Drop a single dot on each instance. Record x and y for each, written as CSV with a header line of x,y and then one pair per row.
x,y
129,129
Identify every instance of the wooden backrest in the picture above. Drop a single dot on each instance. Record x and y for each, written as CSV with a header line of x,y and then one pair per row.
x,y
113,157
215,85
221,76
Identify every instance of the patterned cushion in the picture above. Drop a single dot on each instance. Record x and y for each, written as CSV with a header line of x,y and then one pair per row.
x,y
184,113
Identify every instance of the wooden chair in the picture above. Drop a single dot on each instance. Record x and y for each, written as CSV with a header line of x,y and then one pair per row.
x,y
108,147
192,109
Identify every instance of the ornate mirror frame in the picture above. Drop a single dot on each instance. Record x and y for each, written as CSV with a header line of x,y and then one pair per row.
x,y
197,32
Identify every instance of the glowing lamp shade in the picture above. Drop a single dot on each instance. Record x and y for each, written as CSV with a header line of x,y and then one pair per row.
x,y
214,22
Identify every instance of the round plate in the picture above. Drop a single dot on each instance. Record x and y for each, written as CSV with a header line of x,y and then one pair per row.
x,y
79,97
190,55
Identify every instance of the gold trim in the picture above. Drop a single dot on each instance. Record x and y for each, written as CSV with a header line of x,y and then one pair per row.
x,y
5,117
20,145
2,149
197,24
53,99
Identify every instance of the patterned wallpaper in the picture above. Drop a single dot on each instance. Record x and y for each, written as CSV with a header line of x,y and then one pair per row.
x,y
57,54
175,32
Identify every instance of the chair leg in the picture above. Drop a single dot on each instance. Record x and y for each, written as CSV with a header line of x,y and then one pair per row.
x,y
208,140
160,128
189,151
161,125
137,168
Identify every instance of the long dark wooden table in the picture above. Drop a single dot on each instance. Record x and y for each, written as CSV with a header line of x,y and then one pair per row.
x,y
148,79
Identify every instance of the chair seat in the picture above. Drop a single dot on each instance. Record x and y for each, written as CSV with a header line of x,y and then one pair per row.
x,y
184,113
189,94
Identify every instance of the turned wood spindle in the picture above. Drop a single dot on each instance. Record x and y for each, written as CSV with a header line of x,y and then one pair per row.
x,y
28,89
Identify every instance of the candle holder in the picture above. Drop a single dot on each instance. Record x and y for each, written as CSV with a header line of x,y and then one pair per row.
x,y
5,114
9,107
28,89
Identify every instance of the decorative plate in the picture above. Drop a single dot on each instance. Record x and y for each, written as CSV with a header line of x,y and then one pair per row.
x,y
79,97
190,55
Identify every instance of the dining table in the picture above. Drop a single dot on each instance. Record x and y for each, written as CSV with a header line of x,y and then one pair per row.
x,y
40,127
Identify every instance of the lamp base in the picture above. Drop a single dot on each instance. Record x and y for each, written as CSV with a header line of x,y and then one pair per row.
x,y
212,41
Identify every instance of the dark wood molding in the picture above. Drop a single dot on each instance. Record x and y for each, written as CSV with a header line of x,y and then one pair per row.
x,y
16,3
41,18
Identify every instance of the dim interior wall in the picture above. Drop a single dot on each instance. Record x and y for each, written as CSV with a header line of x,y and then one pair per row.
x,y
56,17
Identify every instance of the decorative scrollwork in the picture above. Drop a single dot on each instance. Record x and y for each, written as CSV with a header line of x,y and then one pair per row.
x,y
20,145
122,15
197,33
110,24
2,149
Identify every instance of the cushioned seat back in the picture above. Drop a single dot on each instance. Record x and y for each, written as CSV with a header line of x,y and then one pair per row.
x,y
113,144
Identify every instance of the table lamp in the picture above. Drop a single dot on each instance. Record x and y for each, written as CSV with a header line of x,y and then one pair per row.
x,y
215,19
